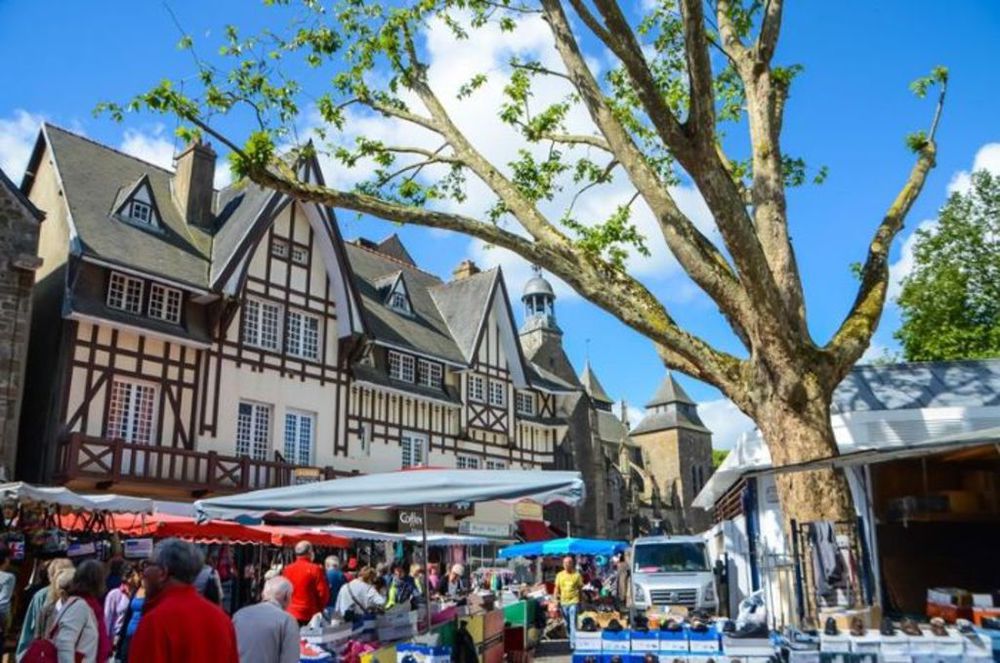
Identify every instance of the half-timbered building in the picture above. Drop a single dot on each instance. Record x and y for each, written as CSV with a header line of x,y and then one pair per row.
x,y
188,340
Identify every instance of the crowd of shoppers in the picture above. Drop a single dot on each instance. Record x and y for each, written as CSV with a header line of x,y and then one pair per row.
x,y
167,608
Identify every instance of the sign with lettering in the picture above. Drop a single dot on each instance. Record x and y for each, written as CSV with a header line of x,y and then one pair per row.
x,y
413,521
528,510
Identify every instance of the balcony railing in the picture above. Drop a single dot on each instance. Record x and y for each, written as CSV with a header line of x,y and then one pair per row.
x,y
109,462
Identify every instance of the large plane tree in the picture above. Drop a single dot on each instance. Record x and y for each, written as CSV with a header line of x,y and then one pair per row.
x,y
675,91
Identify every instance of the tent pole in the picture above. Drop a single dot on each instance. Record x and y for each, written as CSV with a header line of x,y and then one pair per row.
x,y
427,559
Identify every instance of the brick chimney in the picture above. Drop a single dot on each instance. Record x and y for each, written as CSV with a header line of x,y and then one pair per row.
x,y
465,269
193,183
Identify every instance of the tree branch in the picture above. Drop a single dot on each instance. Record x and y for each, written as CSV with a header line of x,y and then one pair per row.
x,y
855,332
701,94
578,139
767,40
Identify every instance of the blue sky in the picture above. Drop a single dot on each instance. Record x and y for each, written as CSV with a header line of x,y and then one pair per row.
x,y
849,111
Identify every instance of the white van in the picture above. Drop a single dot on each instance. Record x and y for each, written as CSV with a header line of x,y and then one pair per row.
x,y
672,571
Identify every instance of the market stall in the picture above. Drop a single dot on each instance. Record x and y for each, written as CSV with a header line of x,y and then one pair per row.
x,y
561,547
412,488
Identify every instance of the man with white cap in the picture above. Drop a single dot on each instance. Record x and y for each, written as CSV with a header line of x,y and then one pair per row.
x,y
310,591
266,633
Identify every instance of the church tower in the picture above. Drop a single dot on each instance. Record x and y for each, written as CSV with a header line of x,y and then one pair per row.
x,y
541,337
678,452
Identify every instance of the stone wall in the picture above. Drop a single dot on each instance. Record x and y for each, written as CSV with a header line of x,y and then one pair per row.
x,y
18,251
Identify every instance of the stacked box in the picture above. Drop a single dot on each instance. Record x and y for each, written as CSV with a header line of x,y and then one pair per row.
x,y
645,641
704,642
616,642
587,641
869,643
587,657
672,643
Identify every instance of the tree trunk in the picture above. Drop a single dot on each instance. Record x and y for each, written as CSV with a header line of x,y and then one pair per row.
x,y
799,436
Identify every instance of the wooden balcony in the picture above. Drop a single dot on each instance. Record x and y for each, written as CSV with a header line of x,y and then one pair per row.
x,y
105,463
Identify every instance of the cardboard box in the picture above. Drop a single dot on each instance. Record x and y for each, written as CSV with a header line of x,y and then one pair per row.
x,y
587,641
869,643
743,647
707,641
894,645
835,644
674,641
871,616
978,614
645,641
422,653
803,656
586,657
616,642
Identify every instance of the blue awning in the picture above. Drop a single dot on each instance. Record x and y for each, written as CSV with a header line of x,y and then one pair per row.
x,y
559,547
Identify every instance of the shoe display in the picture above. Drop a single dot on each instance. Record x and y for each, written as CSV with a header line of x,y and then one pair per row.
x,y
830,628
698,626
809,626
750,631
858,627
886,627
909,627
938,627
672,625
614,626
991,623
589,625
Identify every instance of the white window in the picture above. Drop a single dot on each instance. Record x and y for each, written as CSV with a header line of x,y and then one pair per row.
x,y
262,324
525,403
253,430
496,465
140,212
299,433
300,255
132,411
400,366
413,449
477,389
398,301
467,463
365,438
429,373
165,303
303,335
279,248
498,393
125,293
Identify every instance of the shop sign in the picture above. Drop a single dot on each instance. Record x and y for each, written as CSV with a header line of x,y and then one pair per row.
x,y
137,548
771,495
412,521
528,510
496,530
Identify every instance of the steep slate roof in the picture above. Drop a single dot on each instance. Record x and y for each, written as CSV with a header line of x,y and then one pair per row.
x,y
425,331
92,178
97,179
592,385
463,305
972,383
670,391
610,428
393,247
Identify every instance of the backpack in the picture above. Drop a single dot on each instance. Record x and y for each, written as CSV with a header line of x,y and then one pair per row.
x,y
43,649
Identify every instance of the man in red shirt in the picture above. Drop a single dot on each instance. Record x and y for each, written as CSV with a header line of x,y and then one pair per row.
x,y
178,624
310,591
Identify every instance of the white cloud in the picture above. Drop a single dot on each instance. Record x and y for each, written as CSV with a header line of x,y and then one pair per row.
x,y
158,148
635,414
987,158
17,137
153,147
725,421
900,269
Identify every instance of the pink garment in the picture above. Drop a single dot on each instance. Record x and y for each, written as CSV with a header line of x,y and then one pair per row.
x,y
103,639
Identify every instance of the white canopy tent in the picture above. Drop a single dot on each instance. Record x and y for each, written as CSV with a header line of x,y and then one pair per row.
x,y
64,497
407,488
440,539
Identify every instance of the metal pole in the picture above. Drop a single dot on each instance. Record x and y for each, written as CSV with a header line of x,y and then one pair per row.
x,y
427,557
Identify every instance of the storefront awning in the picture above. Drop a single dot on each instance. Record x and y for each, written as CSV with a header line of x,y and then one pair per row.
x,y
289,536
359,534
534,530
64,497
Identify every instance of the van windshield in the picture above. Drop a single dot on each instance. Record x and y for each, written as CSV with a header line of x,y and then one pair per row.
x,y
670,558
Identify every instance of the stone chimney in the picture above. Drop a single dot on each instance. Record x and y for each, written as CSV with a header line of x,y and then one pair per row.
x,y
465,269
193,183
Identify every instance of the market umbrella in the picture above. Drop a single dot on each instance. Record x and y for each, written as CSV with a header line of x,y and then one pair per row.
x,y
286,536
64,497
407,488
560,547
359,533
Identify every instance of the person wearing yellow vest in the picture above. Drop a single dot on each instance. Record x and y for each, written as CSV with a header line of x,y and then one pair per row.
x,y
569,584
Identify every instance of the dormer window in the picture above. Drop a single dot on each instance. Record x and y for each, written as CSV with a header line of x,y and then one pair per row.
x,y
165,303
525,403
397,297
398,301
401,367
140,212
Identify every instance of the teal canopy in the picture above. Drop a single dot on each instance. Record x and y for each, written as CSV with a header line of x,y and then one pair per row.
x,y
560,547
